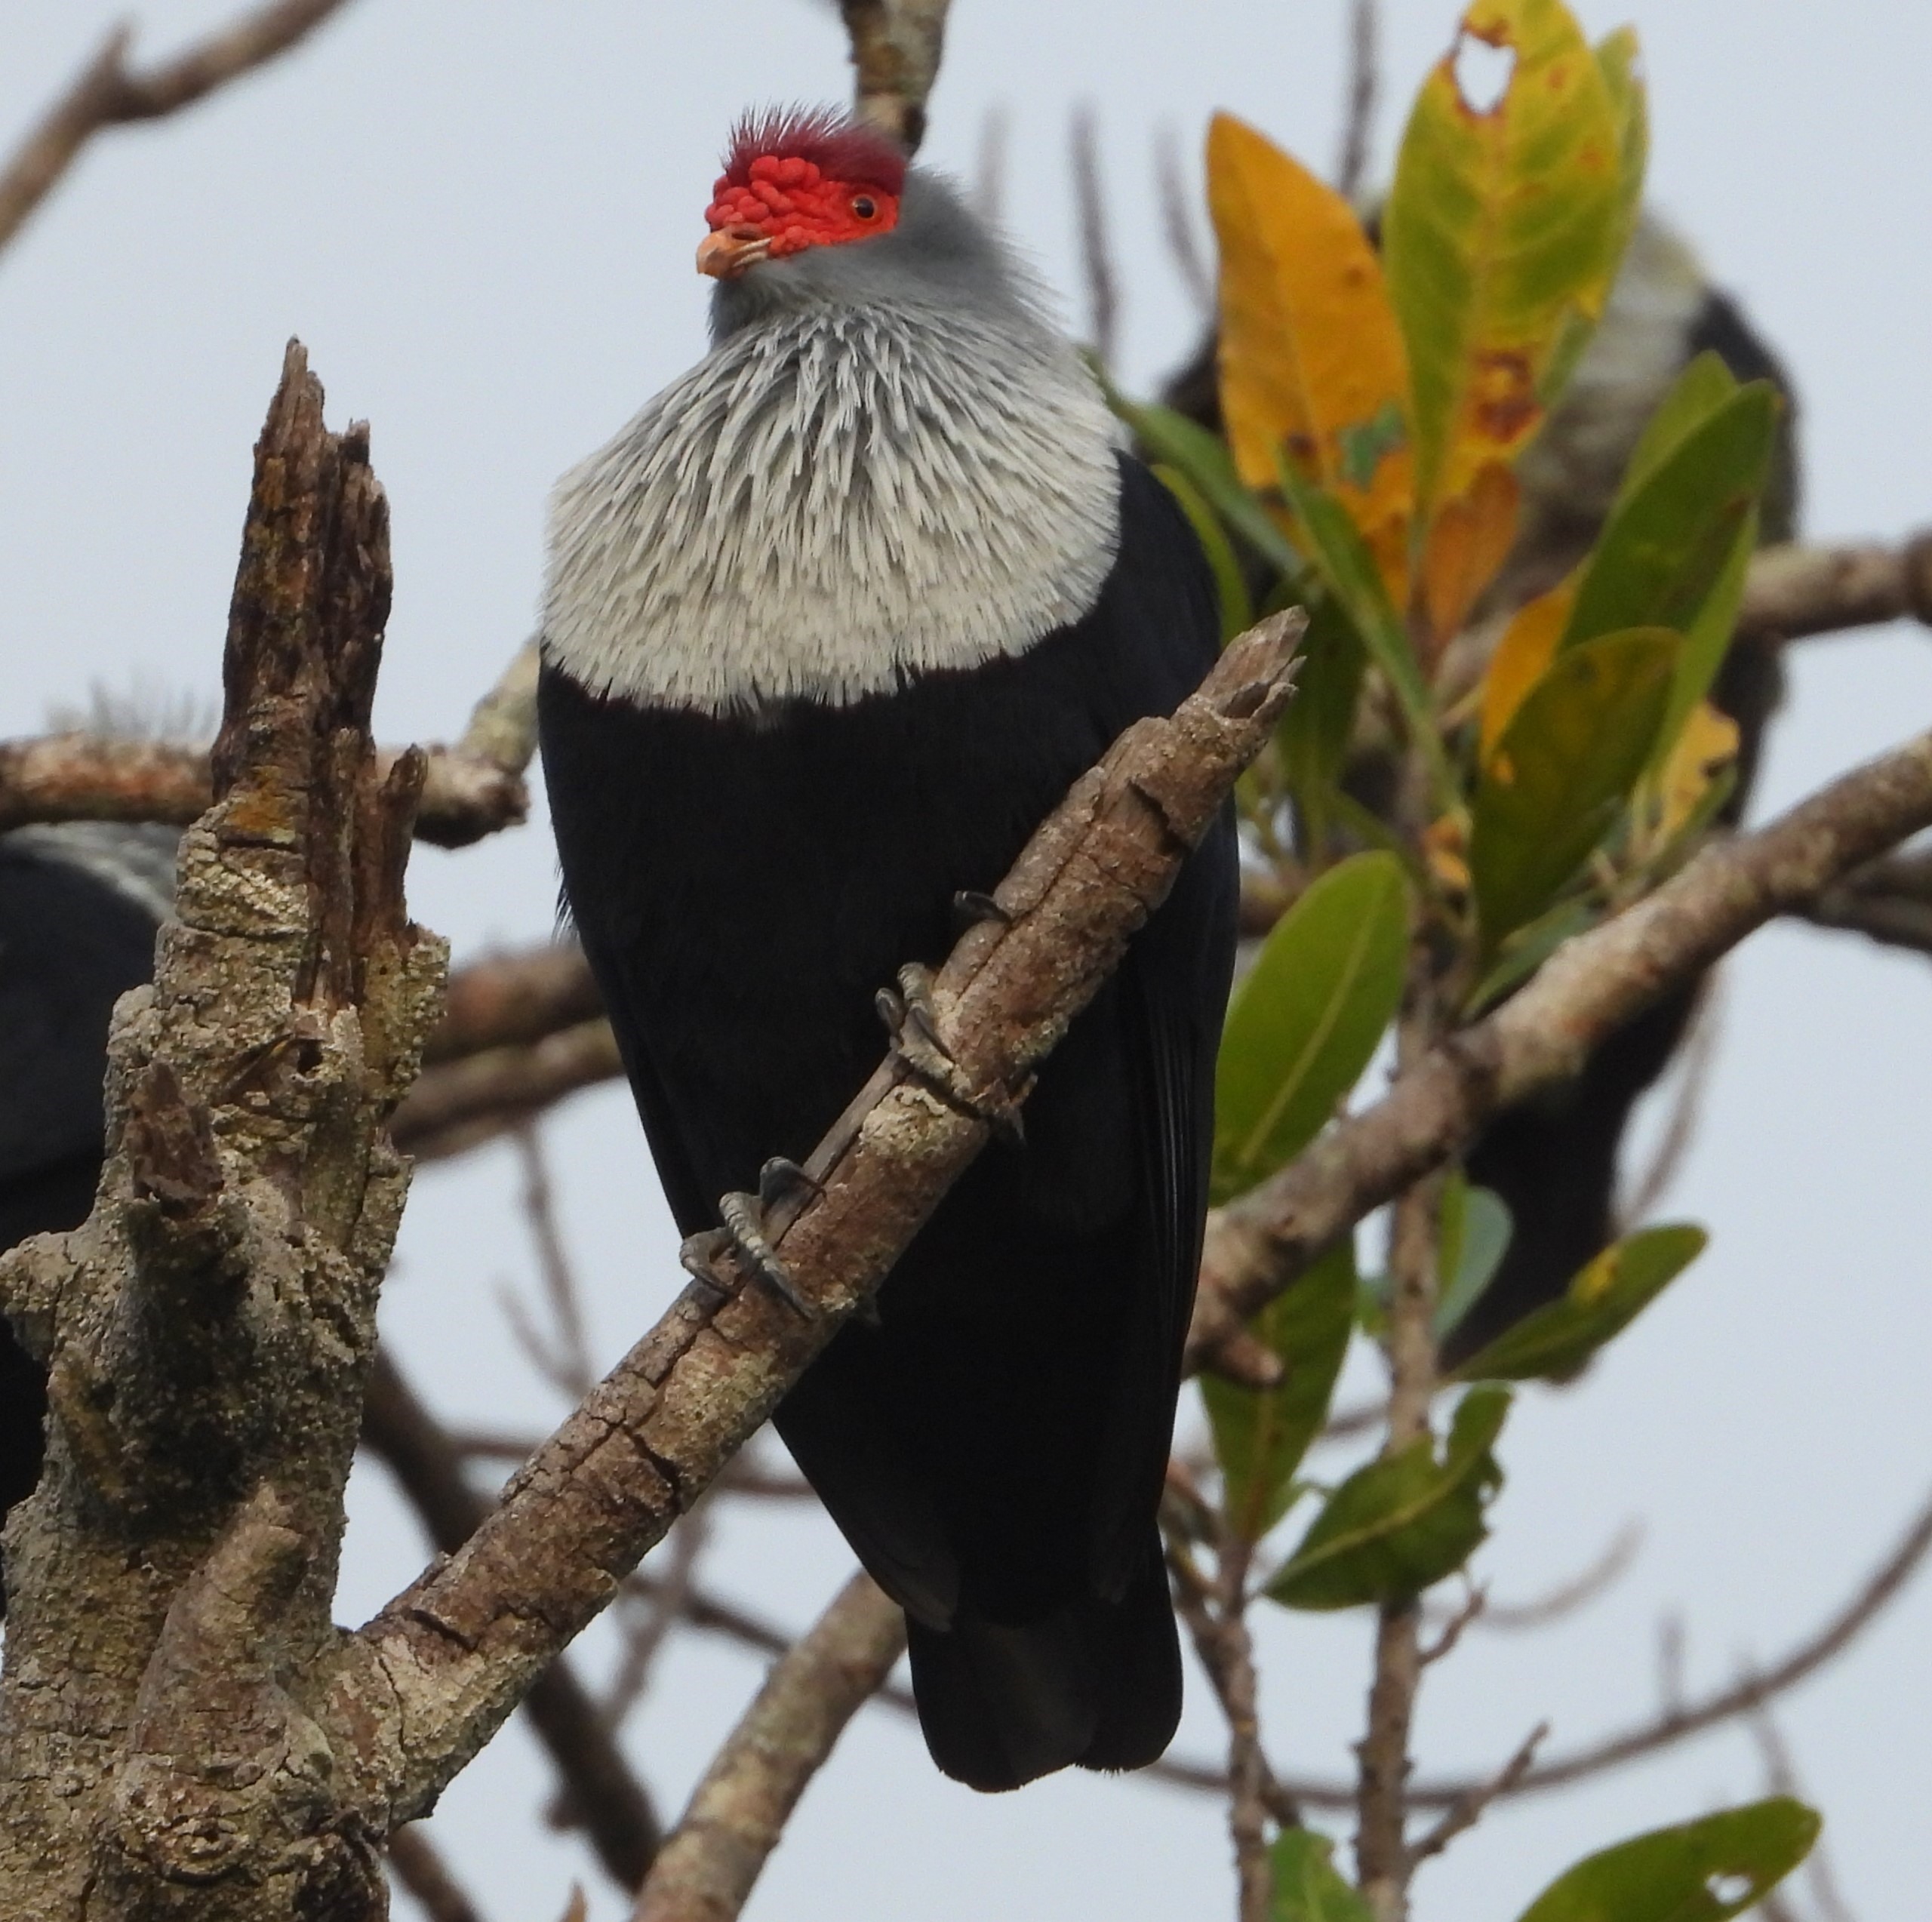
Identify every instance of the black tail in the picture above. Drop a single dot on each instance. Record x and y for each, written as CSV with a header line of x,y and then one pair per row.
x,y
1097,1683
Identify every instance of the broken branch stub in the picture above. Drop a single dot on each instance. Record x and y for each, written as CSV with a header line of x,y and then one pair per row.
x,y
209,1330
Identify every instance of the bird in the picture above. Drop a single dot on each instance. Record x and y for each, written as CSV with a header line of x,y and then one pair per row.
x,y
1555,1161
828,628
80,902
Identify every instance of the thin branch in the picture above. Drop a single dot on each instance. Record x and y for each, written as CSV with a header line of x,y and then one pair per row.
x,y
1467,1810
1781,1777
601,1794
419,1868
1510,1618
505,1000
662,1609
1692,1074
106,94
1177,221
574,1372
713,1857
1889,902
1096,258
1543,1034
1364,83
1798,590
450,1656
896,48
461,1104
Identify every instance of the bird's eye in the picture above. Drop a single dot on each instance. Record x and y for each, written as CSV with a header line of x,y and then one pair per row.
x,y
865,207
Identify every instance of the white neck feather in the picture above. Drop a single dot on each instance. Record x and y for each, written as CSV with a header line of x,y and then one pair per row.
x,y
830,501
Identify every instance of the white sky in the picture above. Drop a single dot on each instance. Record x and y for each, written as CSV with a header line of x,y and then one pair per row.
x,y
480,219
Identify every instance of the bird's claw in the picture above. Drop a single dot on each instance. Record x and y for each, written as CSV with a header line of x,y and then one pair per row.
x,y
913,1023
970,908
742,1233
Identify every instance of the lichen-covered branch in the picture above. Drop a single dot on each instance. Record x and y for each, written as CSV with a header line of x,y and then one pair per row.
x,y
708,1865
208,1331
896,47
419,1690
1593,984
107,93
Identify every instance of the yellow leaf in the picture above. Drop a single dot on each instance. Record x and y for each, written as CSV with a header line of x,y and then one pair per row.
x,y
1501,235
1707,747
1468,541
1527,646
1311,359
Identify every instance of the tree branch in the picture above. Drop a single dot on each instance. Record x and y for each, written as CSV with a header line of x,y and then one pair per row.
x,y
1889,902
896,47
1593,984
425,1684
601,1794
419,1868
106,94
707,1868
1798,590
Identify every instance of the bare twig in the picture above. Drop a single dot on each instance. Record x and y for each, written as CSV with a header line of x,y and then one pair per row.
x,y
1691,1071
601,1793
505,1000
712,1859
1456,1624
570,1365
663,1607
459,1105
106,94
1781,1777
1543,1034
1466,1811
896,47
1798,590
1364,82
1568,1597
1097,259
448,1658
419,1868
1177,222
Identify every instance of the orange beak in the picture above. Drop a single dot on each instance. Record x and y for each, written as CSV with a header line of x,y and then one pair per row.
x,y
728,252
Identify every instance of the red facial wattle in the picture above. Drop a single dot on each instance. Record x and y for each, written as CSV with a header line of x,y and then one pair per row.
x,y
778,204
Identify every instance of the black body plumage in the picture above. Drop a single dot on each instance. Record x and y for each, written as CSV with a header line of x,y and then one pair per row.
x,y
78,918
993,1444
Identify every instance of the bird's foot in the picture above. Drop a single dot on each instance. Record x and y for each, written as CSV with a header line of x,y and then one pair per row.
x,y
913,1023
970,908
743,1233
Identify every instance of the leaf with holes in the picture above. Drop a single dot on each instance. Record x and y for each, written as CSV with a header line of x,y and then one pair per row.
x,y
1701,1871
1500,236
1553,1341
1311,360
1260,1438
1559,774
1308,1887
1308,1016
1404,1522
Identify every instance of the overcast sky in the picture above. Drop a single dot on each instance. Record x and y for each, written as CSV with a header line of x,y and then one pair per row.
x,y
481,219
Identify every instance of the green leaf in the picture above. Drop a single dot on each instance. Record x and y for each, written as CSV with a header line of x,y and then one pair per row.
x,y
1526,951
1230,587
1475,1237
1705,385
1553,1341
1500,238
1185,444
1558,776
1318,725
1308,1016
1343,559
1260,1439
1701,1871
1707,639
1308,1887
1666,544
1619,60
1402,1522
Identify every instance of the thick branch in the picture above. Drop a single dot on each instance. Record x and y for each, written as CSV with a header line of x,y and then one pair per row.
x,y
1543,1035
430,1679
601,1793
106,94
86,777
707,1868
